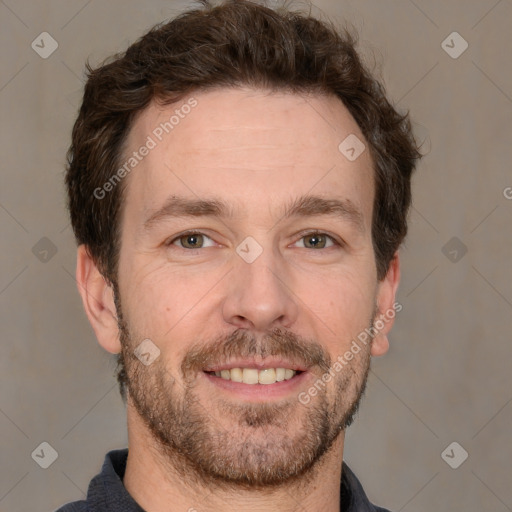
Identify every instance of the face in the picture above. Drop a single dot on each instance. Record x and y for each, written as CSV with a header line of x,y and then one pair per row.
x,y
246,259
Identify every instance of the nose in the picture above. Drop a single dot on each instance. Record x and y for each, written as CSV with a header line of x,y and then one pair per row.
x,y
260,295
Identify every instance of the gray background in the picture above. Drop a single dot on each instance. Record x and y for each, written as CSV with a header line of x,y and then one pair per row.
x,y
447,375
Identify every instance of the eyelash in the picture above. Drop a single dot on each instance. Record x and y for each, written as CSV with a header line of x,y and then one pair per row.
x,y
302,235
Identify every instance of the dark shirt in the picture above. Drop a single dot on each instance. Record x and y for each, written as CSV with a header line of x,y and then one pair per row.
x,y
107,493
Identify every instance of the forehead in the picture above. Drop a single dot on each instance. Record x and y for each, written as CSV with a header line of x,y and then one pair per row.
x,y
250,146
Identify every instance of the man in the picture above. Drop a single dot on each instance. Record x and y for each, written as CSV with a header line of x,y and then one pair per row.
x,y
238,187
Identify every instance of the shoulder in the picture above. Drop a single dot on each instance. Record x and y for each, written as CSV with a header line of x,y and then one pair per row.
x,y
354,498
75,506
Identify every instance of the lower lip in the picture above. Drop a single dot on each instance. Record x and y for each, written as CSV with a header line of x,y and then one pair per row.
x,y
282,389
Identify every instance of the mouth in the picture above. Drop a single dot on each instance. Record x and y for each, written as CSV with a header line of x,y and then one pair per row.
x,y
251,376
258,380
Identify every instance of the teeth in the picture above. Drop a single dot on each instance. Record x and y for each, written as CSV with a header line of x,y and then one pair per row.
x,y
250,376
254,376
235,374
267,376
288,374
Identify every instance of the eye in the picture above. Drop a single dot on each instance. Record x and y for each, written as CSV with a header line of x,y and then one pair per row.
x,y
196,240
317,240
191,240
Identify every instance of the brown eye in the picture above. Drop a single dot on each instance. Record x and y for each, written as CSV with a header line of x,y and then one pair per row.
x,y
192,240
317,241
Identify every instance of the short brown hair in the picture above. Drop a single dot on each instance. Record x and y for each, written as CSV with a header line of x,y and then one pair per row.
x,y
236,43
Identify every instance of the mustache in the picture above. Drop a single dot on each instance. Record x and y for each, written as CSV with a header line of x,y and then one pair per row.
x,y
243,344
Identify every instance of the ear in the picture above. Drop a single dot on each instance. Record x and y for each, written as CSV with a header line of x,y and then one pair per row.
x,y
98,300
386,307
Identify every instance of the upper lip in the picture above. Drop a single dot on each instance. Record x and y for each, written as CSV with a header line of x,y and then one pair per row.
x,y
270,362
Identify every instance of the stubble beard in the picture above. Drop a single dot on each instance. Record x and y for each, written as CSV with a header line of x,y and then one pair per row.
x,y
264,445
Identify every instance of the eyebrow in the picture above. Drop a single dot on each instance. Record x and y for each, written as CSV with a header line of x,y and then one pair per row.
x,y
303,206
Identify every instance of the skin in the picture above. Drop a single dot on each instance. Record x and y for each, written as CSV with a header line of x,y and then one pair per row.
x,y
257,151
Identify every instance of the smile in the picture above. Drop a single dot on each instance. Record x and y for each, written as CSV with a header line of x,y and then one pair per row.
x,y
255,376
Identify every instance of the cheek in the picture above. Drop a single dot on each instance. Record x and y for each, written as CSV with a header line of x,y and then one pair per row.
x,y
168,306
343,308
151,298
344,293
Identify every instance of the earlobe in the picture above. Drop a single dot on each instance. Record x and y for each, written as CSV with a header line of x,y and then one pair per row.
x,y
98,300
386,307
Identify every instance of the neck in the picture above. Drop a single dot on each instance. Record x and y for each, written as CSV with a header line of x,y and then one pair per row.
x,y
154,482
